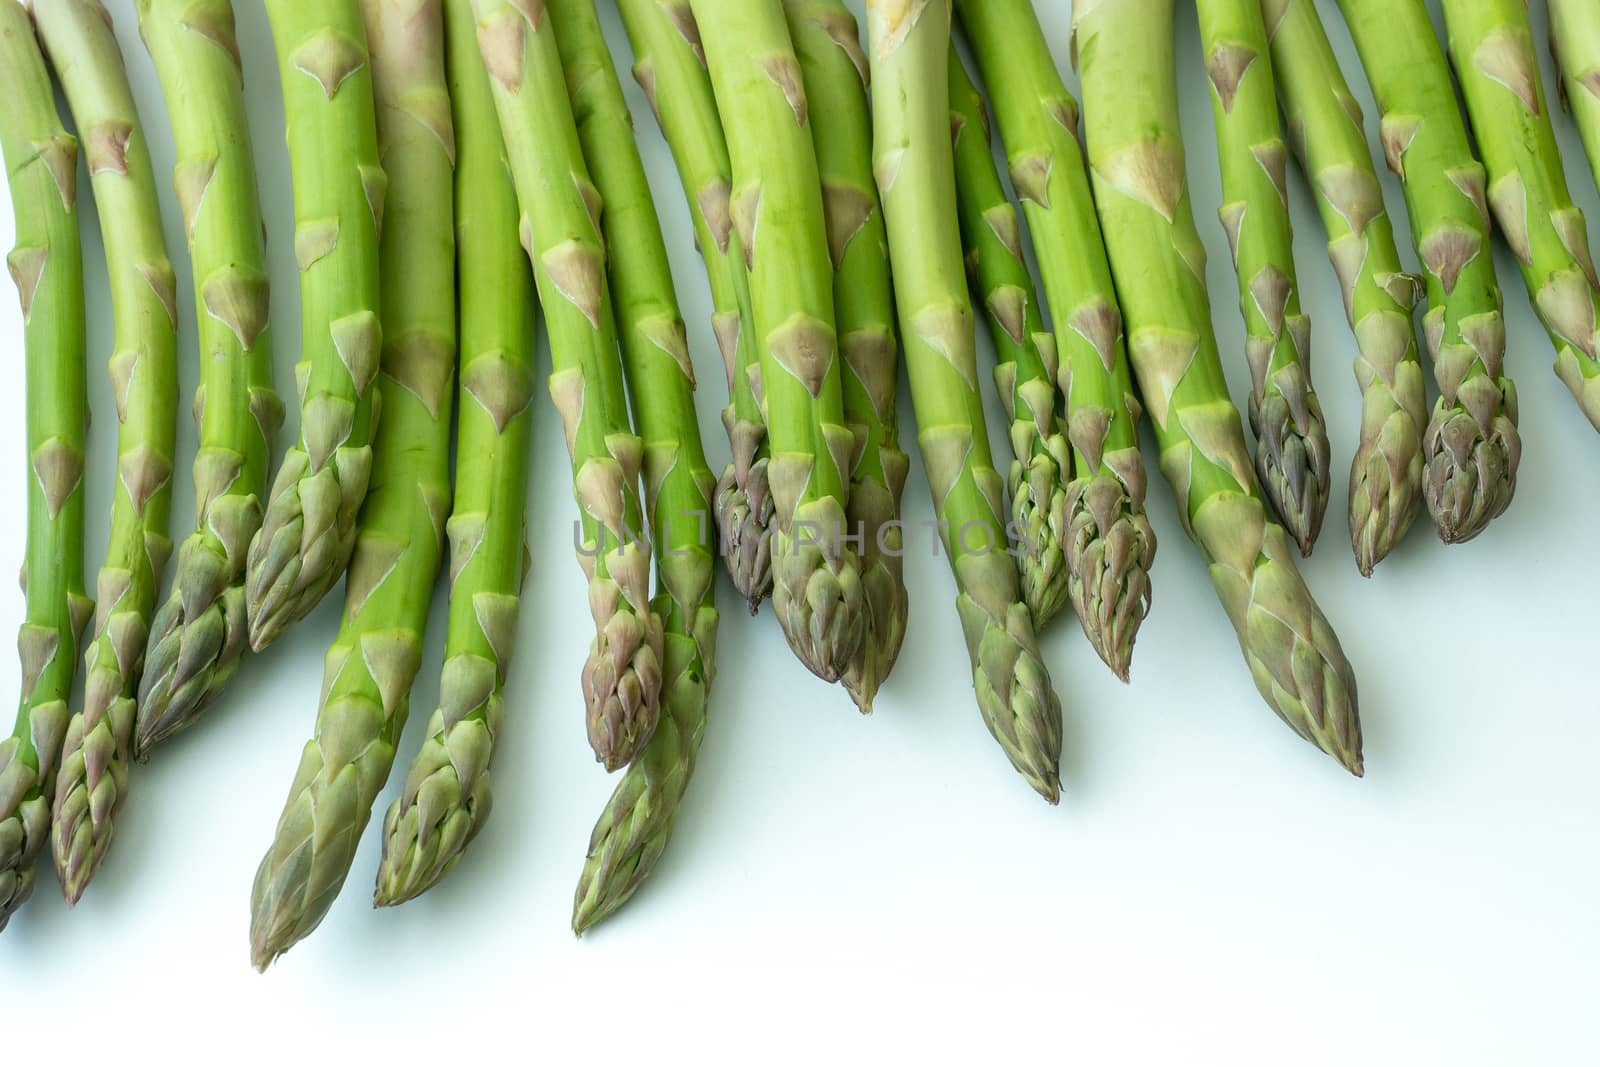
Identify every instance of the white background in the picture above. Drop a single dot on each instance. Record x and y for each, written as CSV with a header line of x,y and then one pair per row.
x,y
1211,889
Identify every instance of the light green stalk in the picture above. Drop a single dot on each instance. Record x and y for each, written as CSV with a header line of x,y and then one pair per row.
x,y
560,229
670,66
828,44
368,671
1026,368
78,38
638,819
1575,44
1291,436
309,528
1325,131
777,209
1471,444
1108,541
1125,60
447,798
1491,44
201,631
1026,358
47,266
914,166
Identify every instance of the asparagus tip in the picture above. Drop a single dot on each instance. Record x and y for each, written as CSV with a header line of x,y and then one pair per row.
x,y
622,686
1293,464
744,513
1110,550
1471,473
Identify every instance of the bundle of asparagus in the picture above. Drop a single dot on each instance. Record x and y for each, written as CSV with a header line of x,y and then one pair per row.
x,y
843,201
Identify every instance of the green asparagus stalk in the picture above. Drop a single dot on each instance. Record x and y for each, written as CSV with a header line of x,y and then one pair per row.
x,y
1110,544
1491,44
47,266
914,166
1575,43
446,799
670,66
1026,368
777,209
201,631
1026,358
637,820
1125,58
368,671
827,42
1285,413
560,229
1327,136
1471,443
77,36
309,528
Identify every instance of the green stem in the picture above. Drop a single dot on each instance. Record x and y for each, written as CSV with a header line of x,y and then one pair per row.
x,y
1285,413
1125,60
309,528
827,42
1471,444
1326,132
78,37
447,798
914,166
1099,518
777,209
201,631
560,229
1575,42
47,266
369,668
670,66
1492,45
634,828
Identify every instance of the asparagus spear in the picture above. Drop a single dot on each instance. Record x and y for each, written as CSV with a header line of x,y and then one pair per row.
x,y
1291,437
670,66
1575,43
1109,541
1026,359
1116,601
308,530
827,42
446,799
777,208
560,230
913,163
1327,136
1472,445
47,266
1124,52
368,671
634,827
77,36
201,631
1492,47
